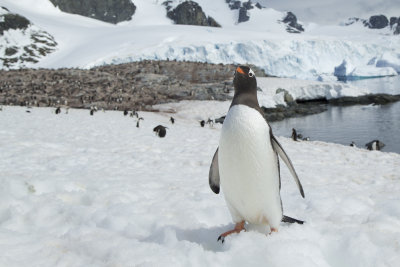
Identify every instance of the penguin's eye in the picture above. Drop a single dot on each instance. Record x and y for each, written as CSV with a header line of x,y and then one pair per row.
x,y
251,73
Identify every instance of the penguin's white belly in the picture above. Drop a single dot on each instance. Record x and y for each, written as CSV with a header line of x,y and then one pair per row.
x,y
248,168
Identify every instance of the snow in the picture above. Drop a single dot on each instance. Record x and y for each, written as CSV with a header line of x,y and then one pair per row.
x,y
263,40
382,69
304,90
81,190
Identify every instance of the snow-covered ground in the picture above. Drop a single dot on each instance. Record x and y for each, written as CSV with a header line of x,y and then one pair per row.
x,y
81,190
262,41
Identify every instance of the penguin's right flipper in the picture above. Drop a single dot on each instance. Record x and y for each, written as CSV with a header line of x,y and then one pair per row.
x,y
288,219
213,175
278,148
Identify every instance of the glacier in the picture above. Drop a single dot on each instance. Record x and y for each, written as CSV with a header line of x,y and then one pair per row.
x,y
263,41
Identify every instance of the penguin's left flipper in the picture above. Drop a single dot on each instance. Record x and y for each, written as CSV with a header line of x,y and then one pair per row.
x,y
278,148
213,175
288,219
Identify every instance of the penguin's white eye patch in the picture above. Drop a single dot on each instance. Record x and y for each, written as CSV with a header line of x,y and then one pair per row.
x,y
251,73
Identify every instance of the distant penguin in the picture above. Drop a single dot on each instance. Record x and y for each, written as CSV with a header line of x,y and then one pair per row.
x,y
160,130
306,138
58,110
202,123
220,120
125,112
138,122
353,144
294,134
375,145
91,112
172,120
246,163
210,122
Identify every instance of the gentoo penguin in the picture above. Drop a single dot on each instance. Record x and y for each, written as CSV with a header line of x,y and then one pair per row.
x,y
220,120
210,122
160,130
202,123
58,110
353,144
172,120
246,164
294,134
125,112
375,145
138,120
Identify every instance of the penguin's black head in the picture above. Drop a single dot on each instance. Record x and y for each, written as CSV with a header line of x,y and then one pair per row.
x,y
244,79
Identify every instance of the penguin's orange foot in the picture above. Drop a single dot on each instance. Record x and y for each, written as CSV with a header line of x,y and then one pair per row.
x,y
273,230
238,228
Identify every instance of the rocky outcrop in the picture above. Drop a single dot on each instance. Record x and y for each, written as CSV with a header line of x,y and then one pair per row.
x,y
189,13
242,8
12,21
292,25
136,85
112,11
395,25
377,22
21,42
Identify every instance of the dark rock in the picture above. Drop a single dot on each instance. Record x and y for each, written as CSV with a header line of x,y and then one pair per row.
x,y
395,25
190,13
12,21
233,4
378,99
112,11
378,22
248,5
41,43
393,20
11,51
292,25
295,110
243,17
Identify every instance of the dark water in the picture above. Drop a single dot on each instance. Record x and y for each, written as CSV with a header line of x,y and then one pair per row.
x,y
360,124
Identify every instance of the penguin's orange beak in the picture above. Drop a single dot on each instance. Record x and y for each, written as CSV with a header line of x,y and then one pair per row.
x,y
240,70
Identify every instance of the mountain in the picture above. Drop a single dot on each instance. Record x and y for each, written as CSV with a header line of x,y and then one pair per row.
x,y
378,22
249,32
22,42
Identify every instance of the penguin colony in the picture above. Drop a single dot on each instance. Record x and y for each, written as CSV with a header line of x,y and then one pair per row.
x,y
246,165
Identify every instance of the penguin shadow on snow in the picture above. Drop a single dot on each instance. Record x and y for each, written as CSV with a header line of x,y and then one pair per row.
x,y
205,236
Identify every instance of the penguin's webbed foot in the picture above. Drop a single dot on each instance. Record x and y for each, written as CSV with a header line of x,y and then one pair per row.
x,y
238,228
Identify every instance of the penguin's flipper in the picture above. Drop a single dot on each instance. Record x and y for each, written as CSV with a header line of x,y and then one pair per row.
x,y
213,175
278,148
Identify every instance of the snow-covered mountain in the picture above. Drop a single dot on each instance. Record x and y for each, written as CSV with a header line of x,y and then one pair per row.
x,y
249,32
21,41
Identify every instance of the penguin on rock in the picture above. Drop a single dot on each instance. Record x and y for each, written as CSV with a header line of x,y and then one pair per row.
x,y
246,165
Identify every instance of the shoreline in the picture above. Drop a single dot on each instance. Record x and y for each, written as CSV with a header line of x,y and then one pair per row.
x,y
141,85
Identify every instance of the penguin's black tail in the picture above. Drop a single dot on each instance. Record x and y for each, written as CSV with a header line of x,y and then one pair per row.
x,y
288,219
